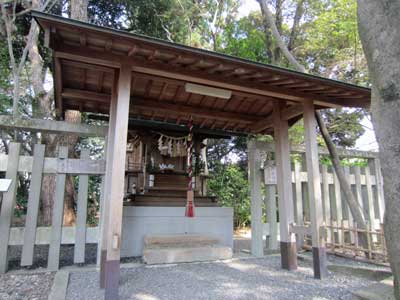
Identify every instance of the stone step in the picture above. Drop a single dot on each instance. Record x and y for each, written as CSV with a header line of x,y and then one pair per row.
x,y
170,204
180,241
173,190
186,254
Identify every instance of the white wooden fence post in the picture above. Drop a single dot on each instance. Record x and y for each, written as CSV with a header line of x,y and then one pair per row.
x,y
256,199
80,227
350,218
58,214
8,203
299,203
270,203
339,208
33,205
379,188
326,201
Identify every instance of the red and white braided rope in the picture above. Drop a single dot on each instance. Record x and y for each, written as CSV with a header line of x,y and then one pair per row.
x,y
189,154
190,195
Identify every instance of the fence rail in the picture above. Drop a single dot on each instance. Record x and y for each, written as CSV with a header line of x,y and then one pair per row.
x,y
55,235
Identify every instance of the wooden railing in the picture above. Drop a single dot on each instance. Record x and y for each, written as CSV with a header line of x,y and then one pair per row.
x,y
341,230
30,234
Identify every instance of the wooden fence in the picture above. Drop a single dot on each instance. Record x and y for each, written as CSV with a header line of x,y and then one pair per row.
x,y
340,228
31,235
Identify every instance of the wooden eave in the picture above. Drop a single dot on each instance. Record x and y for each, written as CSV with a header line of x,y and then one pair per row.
x,y
86,58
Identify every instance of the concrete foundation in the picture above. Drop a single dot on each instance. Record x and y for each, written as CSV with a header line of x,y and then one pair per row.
x,y
139,222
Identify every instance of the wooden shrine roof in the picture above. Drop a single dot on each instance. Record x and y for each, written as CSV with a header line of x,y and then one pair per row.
x,y
87,56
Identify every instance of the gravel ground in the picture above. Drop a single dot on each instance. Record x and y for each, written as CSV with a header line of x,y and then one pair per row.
x,y
66,256
32,286
337,260
238,279
41,252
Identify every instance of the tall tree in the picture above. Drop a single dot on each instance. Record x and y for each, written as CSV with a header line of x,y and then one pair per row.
x,y
78,11
351,201
379,25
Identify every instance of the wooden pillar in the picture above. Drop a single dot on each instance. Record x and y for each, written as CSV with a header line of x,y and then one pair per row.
x,y
115,175
314,190
285,194
101,246
105,208
256,199
270,204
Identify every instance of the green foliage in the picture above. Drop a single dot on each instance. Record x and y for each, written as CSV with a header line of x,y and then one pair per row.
x,y
229,183
246,39
344,125
330,43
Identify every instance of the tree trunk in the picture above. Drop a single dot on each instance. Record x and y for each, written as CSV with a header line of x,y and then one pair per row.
x,y
355,208
296,22
277,36
379,25
70,141
79,10
268,40
278,23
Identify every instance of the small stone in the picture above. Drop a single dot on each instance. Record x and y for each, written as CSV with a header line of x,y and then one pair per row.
x,y
4,296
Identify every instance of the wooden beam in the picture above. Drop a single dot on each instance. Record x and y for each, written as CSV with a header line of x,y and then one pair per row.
x,y
281,82
171,71
107,185
167,107
58,84
176,60
285,194
286,114
292,112
133,51
162,92
100,81
86,95
250,76
215,68
83,65
261,125
82,39
115,179
314,191
51,126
